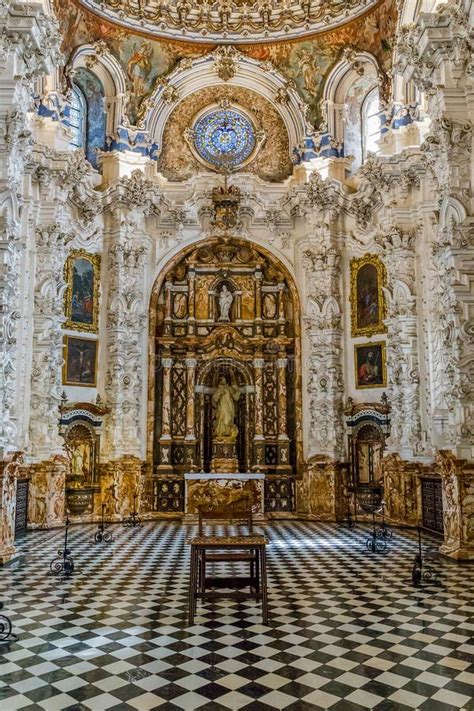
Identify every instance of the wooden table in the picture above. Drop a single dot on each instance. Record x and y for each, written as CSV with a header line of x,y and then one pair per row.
x,y
256,581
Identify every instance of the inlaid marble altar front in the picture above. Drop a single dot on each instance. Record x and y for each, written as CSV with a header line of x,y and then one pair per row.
x,y
216,491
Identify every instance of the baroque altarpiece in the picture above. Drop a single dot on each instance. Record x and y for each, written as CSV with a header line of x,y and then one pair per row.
x,y
224,325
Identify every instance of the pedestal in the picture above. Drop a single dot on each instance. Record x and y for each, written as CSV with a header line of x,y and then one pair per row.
x,y
224,457
219,489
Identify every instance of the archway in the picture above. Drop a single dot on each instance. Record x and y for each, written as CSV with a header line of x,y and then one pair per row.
x,y
224,314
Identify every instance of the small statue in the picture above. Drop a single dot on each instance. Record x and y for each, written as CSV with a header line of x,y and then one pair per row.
x,y
225,302
224,400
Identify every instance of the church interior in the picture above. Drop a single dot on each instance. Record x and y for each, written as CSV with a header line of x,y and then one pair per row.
x,y
236,355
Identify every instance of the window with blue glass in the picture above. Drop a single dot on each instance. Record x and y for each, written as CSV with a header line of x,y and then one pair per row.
x,y
87,116
224,138
77,118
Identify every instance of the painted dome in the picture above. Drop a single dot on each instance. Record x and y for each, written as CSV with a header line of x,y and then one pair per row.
x,y
233,21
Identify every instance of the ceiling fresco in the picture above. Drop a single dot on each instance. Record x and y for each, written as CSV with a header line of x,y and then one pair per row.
x,y
305,63
232,21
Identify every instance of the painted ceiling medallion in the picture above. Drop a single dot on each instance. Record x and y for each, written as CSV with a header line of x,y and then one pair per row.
x,y
235,21
224,138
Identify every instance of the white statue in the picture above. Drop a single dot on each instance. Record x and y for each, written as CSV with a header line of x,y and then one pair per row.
x,y
79,460
224,400
225,302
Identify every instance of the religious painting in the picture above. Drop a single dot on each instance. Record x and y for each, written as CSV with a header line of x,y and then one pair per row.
x,y
80,362
368,309
370,367
82,294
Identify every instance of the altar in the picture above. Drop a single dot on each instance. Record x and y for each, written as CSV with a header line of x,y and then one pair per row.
x,y
218,490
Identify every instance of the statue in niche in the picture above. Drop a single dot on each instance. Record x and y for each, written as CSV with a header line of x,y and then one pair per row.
x,y
225,302
224,400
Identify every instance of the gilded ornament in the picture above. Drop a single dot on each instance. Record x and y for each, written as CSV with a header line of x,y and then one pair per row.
x,y
368,307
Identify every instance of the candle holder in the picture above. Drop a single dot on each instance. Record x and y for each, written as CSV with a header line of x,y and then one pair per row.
x,y
64,563
134,519
6,634
101,535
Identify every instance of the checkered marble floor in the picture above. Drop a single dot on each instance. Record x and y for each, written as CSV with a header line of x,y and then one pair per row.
x,y
347,630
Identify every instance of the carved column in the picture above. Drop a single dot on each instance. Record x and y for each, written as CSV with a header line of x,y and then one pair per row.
x,y
46,386
259,439
402,345
128,252
190,438
30,49
325,386
435,55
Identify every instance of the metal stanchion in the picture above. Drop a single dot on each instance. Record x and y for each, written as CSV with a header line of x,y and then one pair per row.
x,y
101,535
64,563
421,572
134,519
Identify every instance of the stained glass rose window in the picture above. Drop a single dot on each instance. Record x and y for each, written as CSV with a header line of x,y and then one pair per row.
x,y
224,138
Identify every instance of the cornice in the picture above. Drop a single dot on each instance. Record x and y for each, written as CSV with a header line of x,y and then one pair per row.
x,y
229,21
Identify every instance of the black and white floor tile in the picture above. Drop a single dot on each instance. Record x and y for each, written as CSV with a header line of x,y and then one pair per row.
x,y
347,629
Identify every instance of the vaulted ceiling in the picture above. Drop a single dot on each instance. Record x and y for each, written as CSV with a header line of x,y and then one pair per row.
x,y
143,36
236,21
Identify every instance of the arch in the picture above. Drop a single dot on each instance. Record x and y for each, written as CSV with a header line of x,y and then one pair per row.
x,y
249,74
110,72
348,84
451,211
226,332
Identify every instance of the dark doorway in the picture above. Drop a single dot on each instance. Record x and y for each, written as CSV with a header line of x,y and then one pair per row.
x,y
432,504
21,512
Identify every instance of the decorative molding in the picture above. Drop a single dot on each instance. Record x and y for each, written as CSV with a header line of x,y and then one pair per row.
x,y
232,22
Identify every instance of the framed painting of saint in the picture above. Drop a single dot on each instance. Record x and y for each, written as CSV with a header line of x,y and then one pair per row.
x,y
368,309
82,273
370,365
80,362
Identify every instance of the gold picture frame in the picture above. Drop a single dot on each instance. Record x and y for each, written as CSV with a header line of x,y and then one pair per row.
x,y
80,361
81,301
368,306
370,365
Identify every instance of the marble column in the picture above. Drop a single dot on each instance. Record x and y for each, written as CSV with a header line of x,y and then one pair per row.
x,y
258,277
259,439
190,439
283,439
165,437
168,305
191,298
